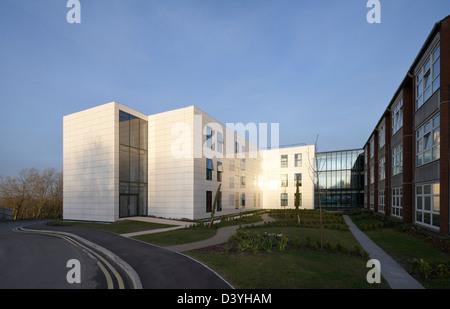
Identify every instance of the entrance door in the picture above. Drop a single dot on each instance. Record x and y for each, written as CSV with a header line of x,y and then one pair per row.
x,y
133,205
128,206
123,206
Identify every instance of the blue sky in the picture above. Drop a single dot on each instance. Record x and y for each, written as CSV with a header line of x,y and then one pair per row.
x,y
315,67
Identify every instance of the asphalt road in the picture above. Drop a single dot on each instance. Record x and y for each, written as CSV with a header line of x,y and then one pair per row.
x,y
33,260
158,268
39,261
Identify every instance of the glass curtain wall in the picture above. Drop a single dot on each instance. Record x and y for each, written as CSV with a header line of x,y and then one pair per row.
x,y
133,161
340,177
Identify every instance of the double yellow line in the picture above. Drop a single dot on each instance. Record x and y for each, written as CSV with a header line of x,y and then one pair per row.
x,y
101,262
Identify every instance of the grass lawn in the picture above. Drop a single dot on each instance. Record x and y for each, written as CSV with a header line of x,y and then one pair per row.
x,y
405,242
177,237
293,268
404,247
345,238
119,227
240,220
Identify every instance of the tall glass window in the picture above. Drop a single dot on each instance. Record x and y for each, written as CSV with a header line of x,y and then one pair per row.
x,y
428,141
284,199
381,136
397,160
381,171
298,177
284,161
298,160
133,165
340,179
428,78
381,201
397,202
397,117
428,204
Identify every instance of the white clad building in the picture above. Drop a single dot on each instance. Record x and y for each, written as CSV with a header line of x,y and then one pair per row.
x,y
121,163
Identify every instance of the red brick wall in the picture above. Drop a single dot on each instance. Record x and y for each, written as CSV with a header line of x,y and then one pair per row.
x,y
387,165
445,134
375,172
408,152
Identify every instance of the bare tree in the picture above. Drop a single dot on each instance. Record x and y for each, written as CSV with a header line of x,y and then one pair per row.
x,y
42,184
18,190
33,194
314,171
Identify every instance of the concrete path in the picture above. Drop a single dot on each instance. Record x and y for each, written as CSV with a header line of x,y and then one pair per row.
x,y
395,275
221,237
178,225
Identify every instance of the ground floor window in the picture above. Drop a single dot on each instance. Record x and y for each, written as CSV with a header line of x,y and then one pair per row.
x,y
372,200
397,202
243,200
219,201
284,199
428,204
208,201
381,201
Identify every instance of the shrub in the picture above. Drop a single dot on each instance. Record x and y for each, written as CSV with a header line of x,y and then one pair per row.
x,y
421,267
297,242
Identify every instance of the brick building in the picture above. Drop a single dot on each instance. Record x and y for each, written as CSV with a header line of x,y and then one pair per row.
x,y
406,167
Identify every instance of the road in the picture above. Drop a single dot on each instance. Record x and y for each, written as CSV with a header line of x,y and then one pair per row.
x,y
39,261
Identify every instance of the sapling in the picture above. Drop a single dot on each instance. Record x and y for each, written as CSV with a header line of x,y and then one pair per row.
x,y
214,206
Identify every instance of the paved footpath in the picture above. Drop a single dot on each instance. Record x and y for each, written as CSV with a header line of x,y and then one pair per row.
x,y
221,237
395,275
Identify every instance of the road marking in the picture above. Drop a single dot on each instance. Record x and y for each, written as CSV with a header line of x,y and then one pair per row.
x,y
74,242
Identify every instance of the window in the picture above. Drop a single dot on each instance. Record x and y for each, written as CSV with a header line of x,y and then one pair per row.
x,y
231,199
397,117
298,160
242,164
372,176
231,182
208,201
372,150
397,160
381,201
397,202
219,171
243,180
284,161
236,200
428,78
133,165
284,180
219,201
209,134
381,136
298,176
372,200
428,141
236,147
284,199
428,204
209,169
381,171
243,200
220,142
